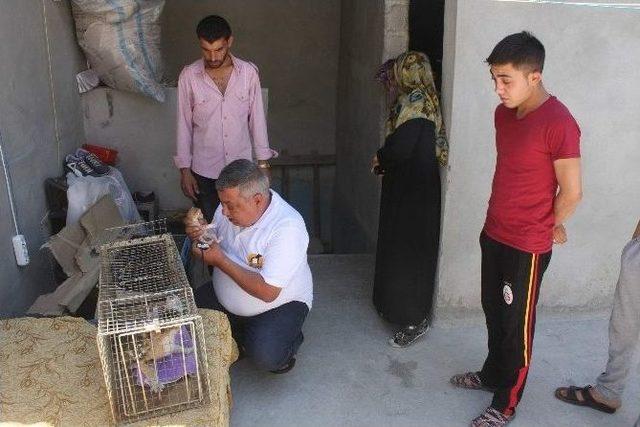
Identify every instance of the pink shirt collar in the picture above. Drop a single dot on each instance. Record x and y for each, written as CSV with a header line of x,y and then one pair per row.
x,y
235,61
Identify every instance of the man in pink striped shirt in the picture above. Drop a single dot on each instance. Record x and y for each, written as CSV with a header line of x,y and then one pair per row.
x,y
220,115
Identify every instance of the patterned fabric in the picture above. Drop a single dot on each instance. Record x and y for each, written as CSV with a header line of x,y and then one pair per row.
x,y
50,373
417,97
470,380
491,417
385,72
385,76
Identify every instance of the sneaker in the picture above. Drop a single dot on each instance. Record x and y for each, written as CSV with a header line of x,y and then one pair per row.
x,y
287,367
471,381
92,160
408,335
71,167
80,168
81,153
71,158
491,417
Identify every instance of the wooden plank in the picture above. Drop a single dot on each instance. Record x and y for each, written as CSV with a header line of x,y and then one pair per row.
x,y
304,160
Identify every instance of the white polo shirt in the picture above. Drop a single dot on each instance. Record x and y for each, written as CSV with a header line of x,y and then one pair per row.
x,y
280,237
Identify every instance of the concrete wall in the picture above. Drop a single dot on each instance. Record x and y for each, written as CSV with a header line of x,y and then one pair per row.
x,y
371,32
31,148
295,46
592,62
143,132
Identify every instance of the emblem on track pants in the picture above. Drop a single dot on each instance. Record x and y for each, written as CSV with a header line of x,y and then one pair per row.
x,y
507,293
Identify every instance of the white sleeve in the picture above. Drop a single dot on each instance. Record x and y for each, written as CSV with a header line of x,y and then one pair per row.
x,y
286,250
217,215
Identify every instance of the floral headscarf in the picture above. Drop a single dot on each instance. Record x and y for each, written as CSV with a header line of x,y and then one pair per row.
x,y
417,96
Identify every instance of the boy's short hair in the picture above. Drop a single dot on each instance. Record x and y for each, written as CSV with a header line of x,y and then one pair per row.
x,y
522,50
212,28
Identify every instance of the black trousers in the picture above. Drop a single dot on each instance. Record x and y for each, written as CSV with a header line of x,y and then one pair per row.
x,y
208,197
511,282
269,339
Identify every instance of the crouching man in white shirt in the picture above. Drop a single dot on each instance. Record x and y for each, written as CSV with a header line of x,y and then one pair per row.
x,y
261,278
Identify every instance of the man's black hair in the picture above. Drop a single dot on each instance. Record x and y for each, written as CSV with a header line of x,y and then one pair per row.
x,y
212,28
522,50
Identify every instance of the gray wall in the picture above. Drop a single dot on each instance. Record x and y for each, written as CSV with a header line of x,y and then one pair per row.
x,y
28,131
295,45
143,132
371,32
592,63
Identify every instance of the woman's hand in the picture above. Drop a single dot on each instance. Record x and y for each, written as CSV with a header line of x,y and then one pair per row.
x,y
375,166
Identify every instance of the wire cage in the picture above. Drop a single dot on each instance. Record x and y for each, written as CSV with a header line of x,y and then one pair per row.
x,y
150,336
130,232
153,354
140,266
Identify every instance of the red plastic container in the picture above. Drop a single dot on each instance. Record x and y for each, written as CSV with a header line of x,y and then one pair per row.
x,y
105,154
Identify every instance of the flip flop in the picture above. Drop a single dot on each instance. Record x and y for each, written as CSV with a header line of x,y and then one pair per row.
x,y
571,397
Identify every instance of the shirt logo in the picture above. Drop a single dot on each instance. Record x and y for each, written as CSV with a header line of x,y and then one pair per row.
x,y
507,293
255,260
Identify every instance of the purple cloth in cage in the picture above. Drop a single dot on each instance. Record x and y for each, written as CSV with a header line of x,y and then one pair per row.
x,y
171,368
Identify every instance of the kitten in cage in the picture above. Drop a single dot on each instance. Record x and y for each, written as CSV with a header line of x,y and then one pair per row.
x,y
164,343
165,357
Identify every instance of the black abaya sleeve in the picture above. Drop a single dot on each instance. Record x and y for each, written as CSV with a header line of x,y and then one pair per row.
x,y
399,146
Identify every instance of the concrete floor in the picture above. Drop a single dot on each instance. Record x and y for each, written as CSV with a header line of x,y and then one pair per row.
x,y
347,375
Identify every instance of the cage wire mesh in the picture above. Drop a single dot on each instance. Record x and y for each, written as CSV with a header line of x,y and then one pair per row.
x,y
142,265
131,232
150,337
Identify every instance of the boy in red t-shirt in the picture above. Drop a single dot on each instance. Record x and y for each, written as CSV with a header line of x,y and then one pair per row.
x,y
536,187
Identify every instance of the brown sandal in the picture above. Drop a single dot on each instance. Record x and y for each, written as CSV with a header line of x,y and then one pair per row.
x,y
570,396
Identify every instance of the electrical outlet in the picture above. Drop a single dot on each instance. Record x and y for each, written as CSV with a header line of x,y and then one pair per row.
x,y
20,250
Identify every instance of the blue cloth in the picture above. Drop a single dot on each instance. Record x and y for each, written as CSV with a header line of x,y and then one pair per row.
x,y
271,338
185,253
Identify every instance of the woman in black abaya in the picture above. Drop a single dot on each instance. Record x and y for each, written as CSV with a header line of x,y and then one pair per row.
x,y
409,226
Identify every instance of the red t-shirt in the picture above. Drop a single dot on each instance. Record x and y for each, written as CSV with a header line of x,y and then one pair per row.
x,y
520,211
